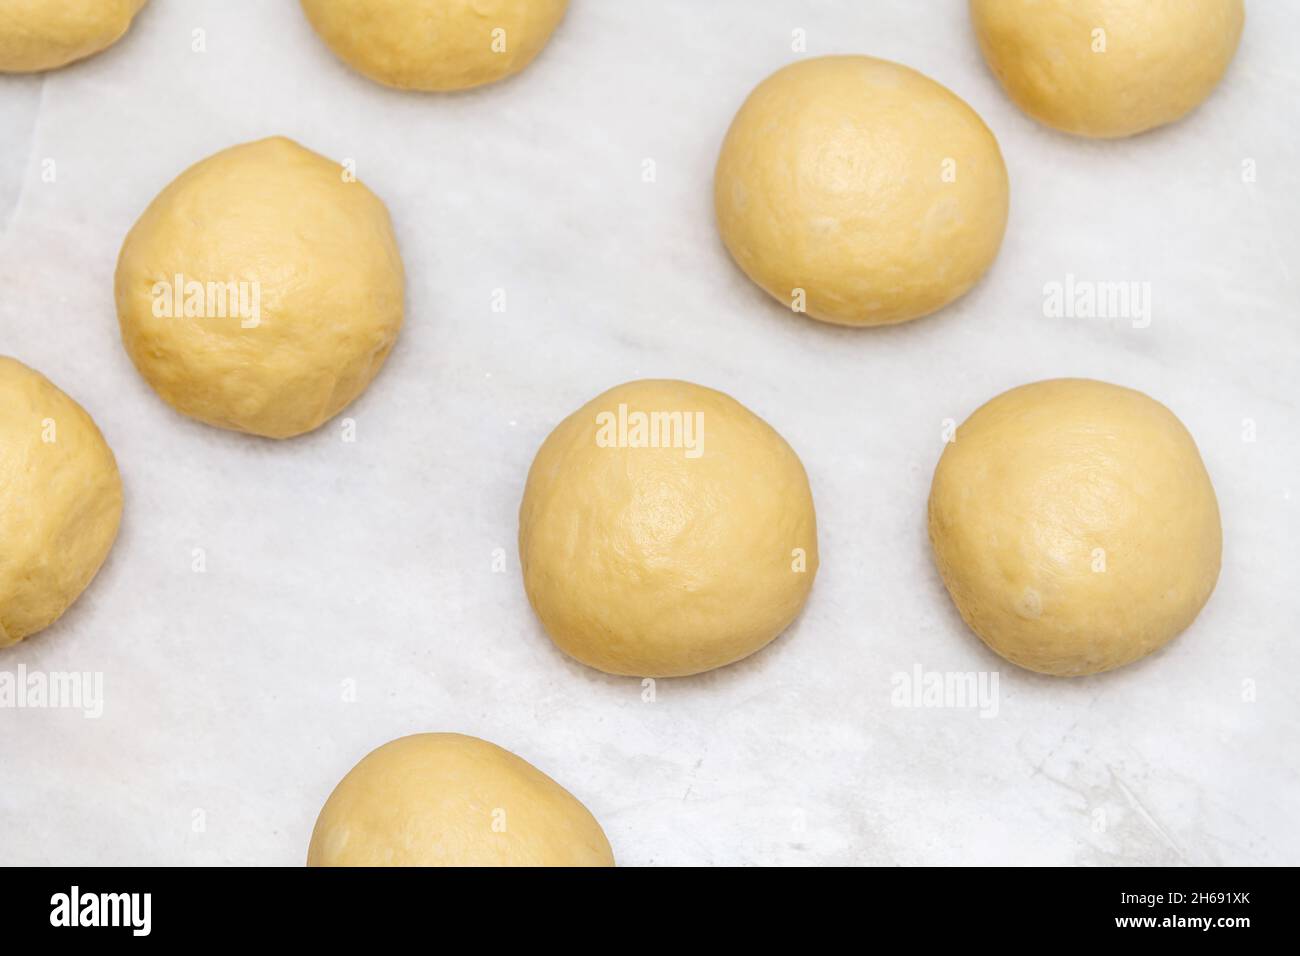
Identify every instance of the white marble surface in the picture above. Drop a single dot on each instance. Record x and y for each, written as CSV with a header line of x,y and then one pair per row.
x,y
330,563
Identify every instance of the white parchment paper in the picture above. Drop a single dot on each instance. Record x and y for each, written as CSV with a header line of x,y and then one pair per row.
x,y
349,595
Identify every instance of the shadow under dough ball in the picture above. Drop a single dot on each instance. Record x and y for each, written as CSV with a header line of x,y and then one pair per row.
x,y
1075,525
452,800
860,191
666,530
262,290
1108,68
60,501
435,45
38,35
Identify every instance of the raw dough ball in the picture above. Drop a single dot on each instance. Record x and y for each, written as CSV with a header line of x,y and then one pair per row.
x,y
435,44
60,501
1075,526
1152,62
871,188
670,560
262,290
452,800
40,35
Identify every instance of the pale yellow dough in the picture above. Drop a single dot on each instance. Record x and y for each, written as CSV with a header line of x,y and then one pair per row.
x,y
1075,526
37,35
1108,68
435,44
314,254
452,800
860,191
60,501
666,561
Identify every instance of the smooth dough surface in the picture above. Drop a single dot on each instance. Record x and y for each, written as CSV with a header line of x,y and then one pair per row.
x,y
452,800
315,256
1108,68
38,35
60,501
435,44
868,186
1075,525
647,561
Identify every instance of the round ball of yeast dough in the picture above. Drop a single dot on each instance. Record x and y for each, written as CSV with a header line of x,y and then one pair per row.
x,y
452,800
1075,526
38,35
262,290
435,44
860,191
60,501
1108,68
666,530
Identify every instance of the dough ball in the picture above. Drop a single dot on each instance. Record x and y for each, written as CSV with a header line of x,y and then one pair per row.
x,y
1075,526
38,35
666,530
60,501
452,800
860,191
262,290
435,44
1108,68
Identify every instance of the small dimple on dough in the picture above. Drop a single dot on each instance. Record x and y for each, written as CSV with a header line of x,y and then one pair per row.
x,y
1162,58
642,561
1031,605
1040,482
860,143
